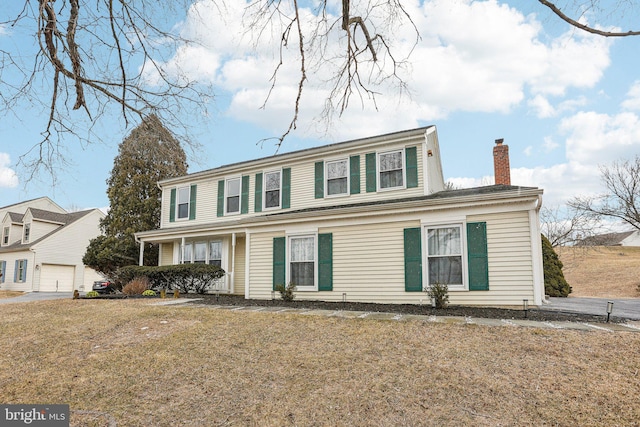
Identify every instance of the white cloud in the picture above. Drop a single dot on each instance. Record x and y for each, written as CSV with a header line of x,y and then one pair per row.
x,y
543,108
8,177
633,98
528,150
473,56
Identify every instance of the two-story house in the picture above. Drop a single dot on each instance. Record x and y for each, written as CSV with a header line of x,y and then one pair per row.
x,y
365,220
42,246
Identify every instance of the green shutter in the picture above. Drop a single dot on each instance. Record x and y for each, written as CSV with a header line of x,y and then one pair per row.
x,y
412,259
286,188
244,204
477,255
221,197
325,262
370,165
354,172
279,261
192,202
412,167
319,180
257,206
172,206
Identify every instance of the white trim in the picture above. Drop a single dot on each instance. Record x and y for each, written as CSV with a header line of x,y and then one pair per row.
x,y
226,195
264,191
247,263
177,216
402,152
536,255
288,236
325,183
463,255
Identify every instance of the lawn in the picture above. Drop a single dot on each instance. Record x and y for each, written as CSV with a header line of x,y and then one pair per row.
x,y
129,363
602,271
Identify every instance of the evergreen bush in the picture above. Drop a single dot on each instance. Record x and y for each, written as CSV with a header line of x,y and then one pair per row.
x,y
555,284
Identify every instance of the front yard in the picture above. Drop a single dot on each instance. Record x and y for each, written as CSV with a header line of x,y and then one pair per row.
x,y
129,363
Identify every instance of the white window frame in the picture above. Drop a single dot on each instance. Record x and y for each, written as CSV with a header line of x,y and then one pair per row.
x,y
227,196
292,237
326,177
21,271
463,254
27,233
206,249
5,235
209,259
182,190
379,171
264,190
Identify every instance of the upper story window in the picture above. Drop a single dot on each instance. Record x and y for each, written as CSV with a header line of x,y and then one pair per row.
x,y
233,196
183,202
444,255
272,181
27,231
5,236
337,177
391,169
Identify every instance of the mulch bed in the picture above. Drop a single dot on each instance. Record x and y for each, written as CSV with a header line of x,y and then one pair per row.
x,y
465,311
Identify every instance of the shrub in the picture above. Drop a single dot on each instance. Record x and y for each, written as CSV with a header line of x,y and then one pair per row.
x,y
186,278
555,284
439,293
92,294
137,286
149,293
286,293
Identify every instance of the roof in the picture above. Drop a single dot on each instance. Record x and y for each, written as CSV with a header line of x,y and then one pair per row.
x,y
607,239
389,137
63,219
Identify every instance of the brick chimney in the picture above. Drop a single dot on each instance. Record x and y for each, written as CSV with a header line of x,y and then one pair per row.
x,y
501,167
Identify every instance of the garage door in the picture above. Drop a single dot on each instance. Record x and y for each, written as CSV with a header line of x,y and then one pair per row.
x,y
57,278
90,276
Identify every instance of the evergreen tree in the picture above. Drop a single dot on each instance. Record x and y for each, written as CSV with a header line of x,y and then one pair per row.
x,y
148,154
555,284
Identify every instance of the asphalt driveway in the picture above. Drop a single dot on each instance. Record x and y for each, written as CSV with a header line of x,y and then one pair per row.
x,y
37,296
625,308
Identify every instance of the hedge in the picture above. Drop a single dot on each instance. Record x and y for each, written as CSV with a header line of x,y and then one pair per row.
x,y
186,278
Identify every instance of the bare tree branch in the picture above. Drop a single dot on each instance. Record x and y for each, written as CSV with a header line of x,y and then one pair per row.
x,y
555,9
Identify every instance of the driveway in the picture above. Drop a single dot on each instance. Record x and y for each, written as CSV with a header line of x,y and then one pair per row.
x,y
626,308
37,296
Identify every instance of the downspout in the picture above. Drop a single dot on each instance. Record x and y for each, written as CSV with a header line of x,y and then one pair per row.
x,y
536,252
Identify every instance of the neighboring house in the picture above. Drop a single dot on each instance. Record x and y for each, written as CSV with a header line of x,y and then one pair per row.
x,y
42,247
626,238
364,220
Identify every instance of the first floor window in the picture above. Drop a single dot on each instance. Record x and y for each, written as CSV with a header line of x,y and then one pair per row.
x,y
5,236
200,253
183,202
21,270
233,195
215,253
3,270
272,189
391,169
186,253
444,255
302,261
337,181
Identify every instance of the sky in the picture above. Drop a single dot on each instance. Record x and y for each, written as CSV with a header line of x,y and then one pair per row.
x,y
566,102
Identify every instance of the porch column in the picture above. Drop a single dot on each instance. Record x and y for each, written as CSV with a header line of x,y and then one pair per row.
x,y
233,263
141,256
182,251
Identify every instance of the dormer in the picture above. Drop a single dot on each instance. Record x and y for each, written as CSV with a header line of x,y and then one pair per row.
x,y
11,228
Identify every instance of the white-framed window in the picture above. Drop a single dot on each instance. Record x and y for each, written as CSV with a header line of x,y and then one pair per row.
x,y
215,253
3,270
302,269
21,272
27,232
182,206
391,169
200,253
445,261
5,236
232,200
337,176
187,253
272,189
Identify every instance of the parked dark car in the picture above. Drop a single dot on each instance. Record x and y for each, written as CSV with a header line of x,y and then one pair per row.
x,y
104,286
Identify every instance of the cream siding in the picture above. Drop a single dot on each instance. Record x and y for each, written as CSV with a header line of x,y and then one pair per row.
x,y
11,258
166,253
302,186
240,264
40,229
